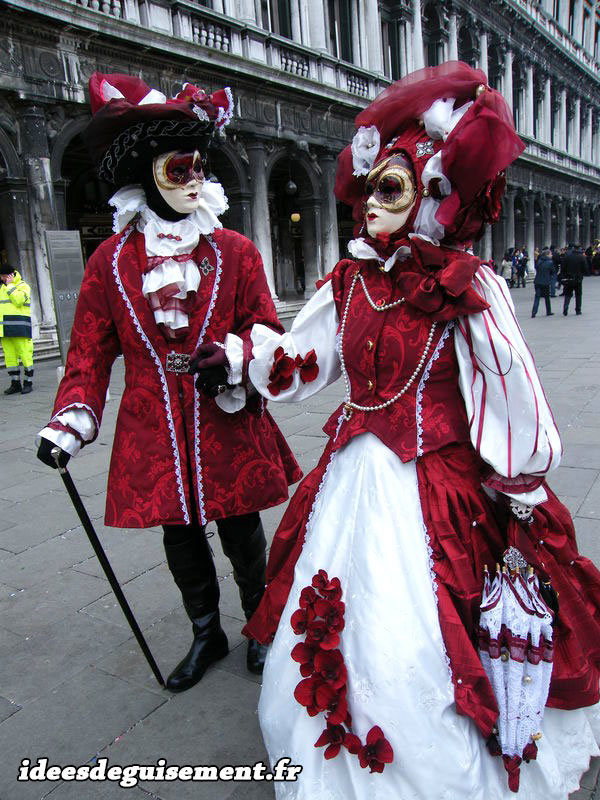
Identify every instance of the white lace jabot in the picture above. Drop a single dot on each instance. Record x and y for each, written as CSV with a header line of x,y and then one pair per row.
x,y
171,280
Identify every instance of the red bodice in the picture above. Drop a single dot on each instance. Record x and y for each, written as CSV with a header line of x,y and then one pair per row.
x,y
382,350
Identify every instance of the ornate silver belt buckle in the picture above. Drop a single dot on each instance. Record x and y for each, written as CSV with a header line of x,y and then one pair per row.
x,y
178,362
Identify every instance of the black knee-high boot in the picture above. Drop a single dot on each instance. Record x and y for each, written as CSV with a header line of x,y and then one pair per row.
x,y
191,564
244,544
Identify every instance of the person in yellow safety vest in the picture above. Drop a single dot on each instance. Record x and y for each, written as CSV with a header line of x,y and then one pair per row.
x,y
15,329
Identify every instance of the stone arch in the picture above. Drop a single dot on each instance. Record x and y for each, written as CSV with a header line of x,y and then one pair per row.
x,y
433,34
12,163
468,48
63,139
226,164
295,215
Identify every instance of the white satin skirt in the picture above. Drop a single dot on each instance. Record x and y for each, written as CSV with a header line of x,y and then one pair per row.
x,y
367,529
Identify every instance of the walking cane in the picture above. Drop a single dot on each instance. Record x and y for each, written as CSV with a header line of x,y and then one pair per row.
x,y
105,563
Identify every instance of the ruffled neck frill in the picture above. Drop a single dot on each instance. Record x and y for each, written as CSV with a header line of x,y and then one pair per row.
x,y
436,280
171,276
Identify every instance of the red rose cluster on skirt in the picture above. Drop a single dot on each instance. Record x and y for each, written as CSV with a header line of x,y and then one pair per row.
x,y
321,618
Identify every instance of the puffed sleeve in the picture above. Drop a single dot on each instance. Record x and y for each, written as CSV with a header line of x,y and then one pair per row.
x,y
294,365
510,421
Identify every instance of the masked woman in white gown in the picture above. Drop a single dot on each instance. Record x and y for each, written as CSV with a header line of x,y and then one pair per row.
x,y
404,664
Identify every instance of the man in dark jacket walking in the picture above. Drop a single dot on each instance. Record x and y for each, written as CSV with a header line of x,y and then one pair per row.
x,y
573,268
544,270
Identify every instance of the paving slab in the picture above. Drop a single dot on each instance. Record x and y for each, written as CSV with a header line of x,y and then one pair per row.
x,y
30,611
591,505
202,713
151,596
8,708
31,667
130,552
70,725
572,481
169,640
588,537
95,790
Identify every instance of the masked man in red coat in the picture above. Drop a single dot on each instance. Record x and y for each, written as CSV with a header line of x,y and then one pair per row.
x,y
170,279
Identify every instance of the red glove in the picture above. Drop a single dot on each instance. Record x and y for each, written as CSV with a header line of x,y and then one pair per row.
x,y
206,356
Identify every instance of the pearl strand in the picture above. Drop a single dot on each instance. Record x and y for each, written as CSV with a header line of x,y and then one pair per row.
x,y
373,305
349,406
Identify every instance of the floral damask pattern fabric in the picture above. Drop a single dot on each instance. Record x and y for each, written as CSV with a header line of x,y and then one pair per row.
x,y
162,418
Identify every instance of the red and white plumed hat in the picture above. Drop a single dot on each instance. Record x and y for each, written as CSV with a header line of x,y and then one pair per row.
x,y
458,135
132,123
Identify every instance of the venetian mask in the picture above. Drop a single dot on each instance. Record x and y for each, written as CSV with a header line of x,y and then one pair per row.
x,y
179,178
391,193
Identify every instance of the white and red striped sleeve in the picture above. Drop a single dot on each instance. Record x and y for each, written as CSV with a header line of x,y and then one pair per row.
x,y
510,421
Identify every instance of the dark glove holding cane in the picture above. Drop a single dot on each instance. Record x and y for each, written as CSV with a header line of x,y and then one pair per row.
x,y
210,363
44,454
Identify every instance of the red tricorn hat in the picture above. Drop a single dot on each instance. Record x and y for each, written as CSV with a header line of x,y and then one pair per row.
x,y
459,136
132,124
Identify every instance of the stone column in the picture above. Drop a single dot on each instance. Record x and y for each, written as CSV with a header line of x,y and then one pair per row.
x,y
331,243
576,148
563,16
531,232
529,109
318,39
548,222
486,245
578,21
562,224
587,228
362,33
507,87
547,107
261,223
409,47
562,128
510,218
246,11
452,37
313,252
374,45
42,205
218,6
295,16
355,33
483,51
587,135
417,37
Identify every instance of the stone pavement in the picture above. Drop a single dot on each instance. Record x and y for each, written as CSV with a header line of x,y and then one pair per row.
x,y
73,684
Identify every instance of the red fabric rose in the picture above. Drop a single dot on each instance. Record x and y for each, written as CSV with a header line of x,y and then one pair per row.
x,y
331,589
334,702
319,635
329,664
332,612
377,752
333,736
306,694
308,597
304,655
301,619
282,372
307,366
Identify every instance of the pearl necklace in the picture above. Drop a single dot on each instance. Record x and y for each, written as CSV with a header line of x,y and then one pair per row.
x,y
350,406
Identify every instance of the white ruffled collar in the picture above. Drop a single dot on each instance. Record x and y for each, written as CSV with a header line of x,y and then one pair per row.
x,y
131,200
361,250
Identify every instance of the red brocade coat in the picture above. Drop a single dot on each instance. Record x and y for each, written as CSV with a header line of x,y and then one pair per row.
x,y
474,417
174,447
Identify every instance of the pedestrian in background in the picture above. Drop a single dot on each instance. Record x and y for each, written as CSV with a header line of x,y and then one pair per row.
x,y
556,264
573,268
506,268
544,269
15,329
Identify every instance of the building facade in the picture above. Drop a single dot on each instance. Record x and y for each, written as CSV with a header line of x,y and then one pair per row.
x,y
300,70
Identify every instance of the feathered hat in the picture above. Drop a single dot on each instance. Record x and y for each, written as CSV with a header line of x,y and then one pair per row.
x,y
458,135
132,123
